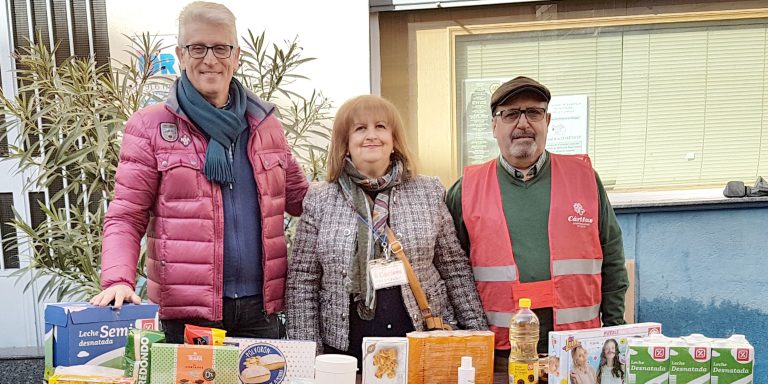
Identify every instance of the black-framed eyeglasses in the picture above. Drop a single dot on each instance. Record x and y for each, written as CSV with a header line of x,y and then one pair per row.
x,y
513,115
198,51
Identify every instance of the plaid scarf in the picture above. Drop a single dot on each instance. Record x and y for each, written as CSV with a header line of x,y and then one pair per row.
x,y
376,212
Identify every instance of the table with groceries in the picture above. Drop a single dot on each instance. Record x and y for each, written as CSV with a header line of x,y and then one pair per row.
x,y
100,345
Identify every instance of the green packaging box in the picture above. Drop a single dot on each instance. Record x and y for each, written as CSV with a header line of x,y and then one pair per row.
x,y
689,360
648,360
733,361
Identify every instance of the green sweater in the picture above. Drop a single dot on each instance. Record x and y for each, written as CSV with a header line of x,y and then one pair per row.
x,y
526,208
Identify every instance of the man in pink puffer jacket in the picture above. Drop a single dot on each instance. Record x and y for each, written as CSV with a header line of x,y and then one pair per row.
x,y
208,176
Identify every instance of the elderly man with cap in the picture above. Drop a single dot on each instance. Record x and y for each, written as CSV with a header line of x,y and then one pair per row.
x,y
538,225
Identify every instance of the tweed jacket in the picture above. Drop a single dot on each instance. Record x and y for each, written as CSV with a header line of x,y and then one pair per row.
x,y
317,302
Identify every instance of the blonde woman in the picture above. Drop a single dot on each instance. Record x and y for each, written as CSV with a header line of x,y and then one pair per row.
x,y
581,371
371,185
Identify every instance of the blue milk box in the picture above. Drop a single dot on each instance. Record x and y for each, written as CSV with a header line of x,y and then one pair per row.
x,y
82,334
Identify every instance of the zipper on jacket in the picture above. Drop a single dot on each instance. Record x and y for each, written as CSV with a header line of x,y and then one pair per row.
x,y
234,205
231,160
253,159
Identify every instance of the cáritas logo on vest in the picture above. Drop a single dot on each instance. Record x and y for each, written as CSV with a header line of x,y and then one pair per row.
x,y
579,219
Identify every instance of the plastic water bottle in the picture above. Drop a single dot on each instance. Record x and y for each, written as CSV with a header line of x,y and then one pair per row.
x,y
466,372
523,338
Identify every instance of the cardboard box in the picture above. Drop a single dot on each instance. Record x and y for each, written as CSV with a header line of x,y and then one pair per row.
x,y
434,357
562,345
385,360
193,364
81,334
285,360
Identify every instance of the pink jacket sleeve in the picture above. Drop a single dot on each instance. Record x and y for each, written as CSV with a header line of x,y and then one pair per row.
x,y
125,224
296,186
296,183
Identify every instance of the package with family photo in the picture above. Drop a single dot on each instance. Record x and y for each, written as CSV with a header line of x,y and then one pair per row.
x,y
580,357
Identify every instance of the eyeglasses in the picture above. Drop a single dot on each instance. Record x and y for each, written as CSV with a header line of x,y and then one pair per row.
x,y
198,51
513,115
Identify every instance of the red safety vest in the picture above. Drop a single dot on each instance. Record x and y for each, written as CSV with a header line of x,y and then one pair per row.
x,y
576,256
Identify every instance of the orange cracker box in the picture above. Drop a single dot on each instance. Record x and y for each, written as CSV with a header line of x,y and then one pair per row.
x,y
194,364
434,357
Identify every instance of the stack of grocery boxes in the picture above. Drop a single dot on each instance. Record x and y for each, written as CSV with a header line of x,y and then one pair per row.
x,y
81,334
693,359
87,338
78,334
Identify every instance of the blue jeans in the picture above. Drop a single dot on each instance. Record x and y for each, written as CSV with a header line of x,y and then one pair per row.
x,y
243,317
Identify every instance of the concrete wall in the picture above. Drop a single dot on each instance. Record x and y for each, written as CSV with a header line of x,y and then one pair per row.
x,y
702,269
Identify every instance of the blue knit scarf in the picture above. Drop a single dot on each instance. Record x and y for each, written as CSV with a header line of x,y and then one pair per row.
x,y
221,125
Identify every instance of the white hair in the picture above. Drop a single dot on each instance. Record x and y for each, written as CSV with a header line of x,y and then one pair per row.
x,y
208,13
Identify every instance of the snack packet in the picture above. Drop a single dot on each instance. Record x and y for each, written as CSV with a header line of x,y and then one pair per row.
x,y
203,335
136,358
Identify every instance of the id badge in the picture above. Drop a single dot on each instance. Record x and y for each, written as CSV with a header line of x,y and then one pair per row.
x,y
385,274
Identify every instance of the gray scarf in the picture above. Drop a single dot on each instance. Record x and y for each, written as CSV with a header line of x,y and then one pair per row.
x,y
376,213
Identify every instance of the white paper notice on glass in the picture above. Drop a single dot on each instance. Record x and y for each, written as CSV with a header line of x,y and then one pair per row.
x,y
386,273
568,130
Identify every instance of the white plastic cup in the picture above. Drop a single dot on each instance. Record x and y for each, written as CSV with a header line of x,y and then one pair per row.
x,y
335,369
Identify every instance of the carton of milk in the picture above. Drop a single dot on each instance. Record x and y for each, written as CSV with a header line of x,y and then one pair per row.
x,y
82,334
648,360
689,360
733,361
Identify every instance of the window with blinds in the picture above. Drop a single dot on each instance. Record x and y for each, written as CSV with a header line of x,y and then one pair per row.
x,y
3,130
79,28
670,107
8,232
53,22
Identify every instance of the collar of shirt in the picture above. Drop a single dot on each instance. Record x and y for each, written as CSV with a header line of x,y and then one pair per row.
x,y
226,105
522,174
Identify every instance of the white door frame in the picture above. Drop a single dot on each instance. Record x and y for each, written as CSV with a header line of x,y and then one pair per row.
x,y
21,329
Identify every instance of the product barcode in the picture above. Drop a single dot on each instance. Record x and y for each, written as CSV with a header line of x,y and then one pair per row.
x,y
672,379
714,379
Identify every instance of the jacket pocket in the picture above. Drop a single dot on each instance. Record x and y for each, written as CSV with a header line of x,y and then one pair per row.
x,y
326,309
180,176
438,298
273,173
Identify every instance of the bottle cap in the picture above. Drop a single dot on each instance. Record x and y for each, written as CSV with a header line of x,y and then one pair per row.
x,y
524,303
466,362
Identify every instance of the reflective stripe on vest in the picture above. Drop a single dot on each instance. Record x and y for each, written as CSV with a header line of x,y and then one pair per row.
x,y
564,316
499,319
574,291
576,315
559,268
576,267
503,273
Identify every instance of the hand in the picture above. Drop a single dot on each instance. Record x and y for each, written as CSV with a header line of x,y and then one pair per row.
x,y
574,378
119,293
